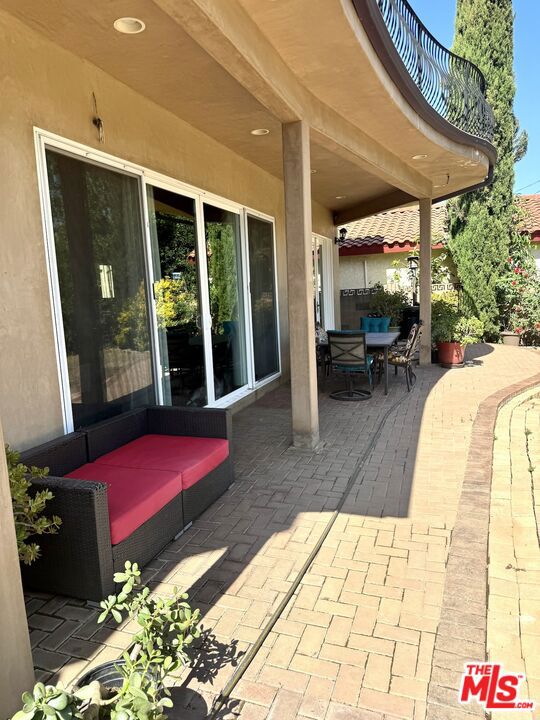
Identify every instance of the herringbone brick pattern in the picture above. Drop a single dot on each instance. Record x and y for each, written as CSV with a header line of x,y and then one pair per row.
x,y
513,626
357,639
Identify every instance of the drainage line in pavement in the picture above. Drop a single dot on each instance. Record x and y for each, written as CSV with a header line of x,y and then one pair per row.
x,y
248,658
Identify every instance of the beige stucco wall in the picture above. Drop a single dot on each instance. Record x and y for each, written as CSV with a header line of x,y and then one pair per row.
x,y
351,268
45,86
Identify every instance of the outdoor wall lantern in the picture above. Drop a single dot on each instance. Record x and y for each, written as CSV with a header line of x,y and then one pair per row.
x,y
342,235
413,262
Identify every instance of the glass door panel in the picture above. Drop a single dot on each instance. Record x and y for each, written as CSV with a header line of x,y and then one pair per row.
x,y
318,282
224,262
263,297
99,245
173,232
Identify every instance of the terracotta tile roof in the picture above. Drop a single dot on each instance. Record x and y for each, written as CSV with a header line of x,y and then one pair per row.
x,y
394,227
530,204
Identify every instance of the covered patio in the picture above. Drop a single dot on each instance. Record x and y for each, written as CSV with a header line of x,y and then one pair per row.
x,y
200,151
382,621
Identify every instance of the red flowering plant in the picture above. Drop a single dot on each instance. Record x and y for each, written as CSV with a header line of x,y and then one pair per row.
x,y
518,293
524,317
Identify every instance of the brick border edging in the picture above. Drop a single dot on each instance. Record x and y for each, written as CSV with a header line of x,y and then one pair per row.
x,y
461,633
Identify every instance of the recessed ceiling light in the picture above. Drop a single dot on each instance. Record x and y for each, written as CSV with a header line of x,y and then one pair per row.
x,y
260,131
419,157
340,197
129,25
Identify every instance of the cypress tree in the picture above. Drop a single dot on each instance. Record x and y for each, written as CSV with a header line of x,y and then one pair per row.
x,y
482,222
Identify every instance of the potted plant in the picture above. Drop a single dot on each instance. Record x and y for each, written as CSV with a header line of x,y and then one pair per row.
x,y
132,687
511,336
389,304
452,332
28,508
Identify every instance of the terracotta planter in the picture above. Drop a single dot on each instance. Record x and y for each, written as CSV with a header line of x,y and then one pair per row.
x,y
451,354
510,338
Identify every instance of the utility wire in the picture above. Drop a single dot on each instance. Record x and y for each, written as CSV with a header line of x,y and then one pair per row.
x,y
527,186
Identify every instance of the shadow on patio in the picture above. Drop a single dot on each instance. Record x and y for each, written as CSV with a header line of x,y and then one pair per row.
x,y
240,558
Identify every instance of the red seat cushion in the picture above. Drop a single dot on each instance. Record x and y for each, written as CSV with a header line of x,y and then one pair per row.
x,y
192,457
134,495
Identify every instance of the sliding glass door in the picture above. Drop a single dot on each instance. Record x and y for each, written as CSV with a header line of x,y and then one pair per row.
x,y
98,238
318,282
177,298
161,293
323,284
263,297
226,297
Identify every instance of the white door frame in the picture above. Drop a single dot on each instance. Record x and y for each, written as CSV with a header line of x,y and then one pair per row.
x,y
325,244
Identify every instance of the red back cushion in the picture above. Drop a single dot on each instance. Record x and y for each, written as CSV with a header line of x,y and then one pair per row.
x,y
193,457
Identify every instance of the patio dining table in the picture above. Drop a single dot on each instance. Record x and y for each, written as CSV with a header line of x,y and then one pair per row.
x,y
377,341
382,341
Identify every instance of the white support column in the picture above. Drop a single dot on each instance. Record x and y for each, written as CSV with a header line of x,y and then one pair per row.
x,y
297,178
17,673
425,280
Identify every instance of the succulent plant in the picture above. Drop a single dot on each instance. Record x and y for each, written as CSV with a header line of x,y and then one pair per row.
x,y
47,702
167,625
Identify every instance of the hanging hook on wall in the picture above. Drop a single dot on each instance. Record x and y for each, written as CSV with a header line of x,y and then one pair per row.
x,y
97,121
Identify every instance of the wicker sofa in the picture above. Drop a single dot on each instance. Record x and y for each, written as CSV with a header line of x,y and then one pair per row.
x,y
124,488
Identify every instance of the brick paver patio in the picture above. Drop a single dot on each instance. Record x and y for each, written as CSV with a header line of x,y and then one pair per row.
x,y
396,596
513,629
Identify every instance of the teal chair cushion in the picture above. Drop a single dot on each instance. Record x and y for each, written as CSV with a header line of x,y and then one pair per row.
x,y
365,324
374,324
355,368
384,323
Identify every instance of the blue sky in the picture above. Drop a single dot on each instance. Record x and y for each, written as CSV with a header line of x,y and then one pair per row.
x,y
438,16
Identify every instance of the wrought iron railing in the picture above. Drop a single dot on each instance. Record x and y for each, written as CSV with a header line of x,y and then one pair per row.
x,y
454,87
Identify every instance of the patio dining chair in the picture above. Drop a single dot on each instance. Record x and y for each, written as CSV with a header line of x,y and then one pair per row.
x,y
405,357
348,355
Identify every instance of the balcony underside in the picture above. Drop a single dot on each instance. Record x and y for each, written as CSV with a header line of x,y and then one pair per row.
x,y
231,66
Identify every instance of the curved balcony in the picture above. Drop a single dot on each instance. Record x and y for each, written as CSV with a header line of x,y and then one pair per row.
x,y
451,86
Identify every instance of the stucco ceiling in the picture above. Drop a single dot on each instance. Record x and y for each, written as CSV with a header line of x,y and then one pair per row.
x,y
313,37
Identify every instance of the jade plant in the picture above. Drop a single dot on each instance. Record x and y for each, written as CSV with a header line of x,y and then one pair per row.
x,y
167,627
47,702
135,699
28,508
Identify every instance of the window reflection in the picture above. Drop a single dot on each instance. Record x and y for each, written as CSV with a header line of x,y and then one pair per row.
x,y
263,297
222,231
99,253
177,296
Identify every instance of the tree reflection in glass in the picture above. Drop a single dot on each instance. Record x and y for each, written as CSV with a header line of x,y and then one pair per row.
x,y
222,231
177,296
100,259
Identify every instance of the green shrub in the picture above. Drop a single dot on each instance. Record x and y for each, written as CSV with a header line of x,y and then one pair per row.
x,y
468,330
448,325
389,304
27,508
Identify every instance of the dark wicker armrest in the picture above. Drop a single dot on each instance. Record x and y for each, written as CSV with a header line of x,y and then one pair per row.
x,y
77,560
190,421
